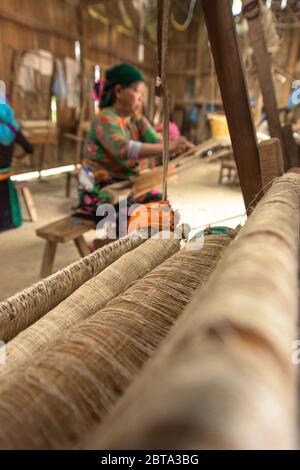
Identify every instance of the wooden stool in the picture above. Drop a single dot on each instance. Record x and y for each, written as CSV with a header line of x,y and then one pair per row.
x,y
228,169
69,176
62,231
23,189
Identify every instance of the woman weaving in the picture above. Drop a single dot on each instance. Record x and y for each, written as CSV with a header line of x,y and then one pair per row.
x,y
10,133
118,138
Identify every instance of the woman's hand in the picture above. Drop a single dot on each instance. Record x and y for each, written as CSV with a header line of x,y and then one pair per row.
x,y
180,145
24,159
190,145
176,147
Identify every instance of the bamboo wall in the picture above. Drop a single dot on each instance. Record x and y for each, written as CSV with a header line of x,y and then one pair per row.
x,y
56,27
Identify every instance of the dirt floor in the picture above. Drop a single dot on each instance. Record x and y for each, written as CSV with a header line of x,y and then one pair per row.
x,y
195,192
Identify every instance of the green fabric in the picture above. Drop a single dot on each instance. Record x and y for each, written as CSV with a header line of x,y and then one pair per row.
x,y
124,75
211,231
14,205
103,196
151,136
216,231
5,170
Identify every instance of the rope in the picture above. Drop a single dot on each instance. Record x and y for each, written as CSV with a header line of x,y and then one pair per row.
x,y
186,24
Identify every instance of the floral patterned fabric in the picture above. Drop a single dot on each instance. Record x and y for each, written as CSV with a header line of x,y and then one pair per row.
x,y
108,140
106,156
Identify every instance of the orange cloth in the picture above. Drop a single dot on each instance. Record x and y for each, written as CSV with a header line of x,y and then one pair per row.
x,y
156,215
5,176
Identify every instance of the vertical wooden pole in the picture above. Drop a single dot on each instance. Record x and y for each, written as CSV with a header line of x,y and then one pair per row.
x,y
252,11
81,18
201,47
271,161
292,59
292,148
222,35
81,35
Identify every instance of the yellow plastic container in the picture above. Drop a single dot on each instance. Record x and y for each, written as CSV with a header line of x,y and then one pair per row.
x,y
218,124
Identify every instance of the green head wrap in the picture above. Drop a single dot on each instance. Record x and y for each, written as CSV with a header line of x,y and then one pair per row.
x,y
124,75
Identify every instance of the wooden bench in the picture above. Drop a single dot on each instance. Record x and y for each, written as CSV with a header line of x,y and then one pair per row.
x,y
23,189
62,231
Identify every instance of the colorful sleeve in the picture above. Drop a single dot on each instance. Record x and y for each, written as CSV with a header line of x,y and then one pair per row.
x,y
148,134
109,133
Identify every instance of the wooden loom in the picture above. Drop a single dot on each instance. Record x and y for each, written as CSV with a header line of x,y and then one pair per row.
x,y
98,311
229,347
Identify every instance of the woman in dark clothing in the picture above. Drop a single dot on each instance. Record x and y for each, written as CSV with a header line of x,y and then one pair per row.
x,y
10,134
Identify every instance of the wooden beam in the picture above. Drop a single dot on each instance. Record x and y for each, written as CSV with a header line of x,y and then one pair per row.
x,y
292,148
80,16
293,57
252,11
222,35
271,162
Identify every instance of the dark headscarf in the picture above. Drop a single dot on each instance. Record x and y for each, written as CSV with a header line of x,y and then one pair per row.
x,y
124,75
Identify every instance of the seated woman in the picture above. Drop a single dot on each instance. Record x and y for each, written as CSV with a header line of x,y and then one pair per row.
x,y
118,138
10,214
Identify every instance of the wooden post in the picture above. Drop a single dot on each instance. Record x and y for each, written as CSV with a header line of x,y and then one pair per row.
x,y
48,259
201,131
252,11
68,185
30,207
292,147
222,34
81,15
81,18
271,161
293,56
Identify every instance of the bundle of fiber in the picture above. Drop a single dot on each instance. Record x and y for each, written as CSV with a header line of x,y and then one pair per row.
x,y
224,378
74,384
24,308
85,301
